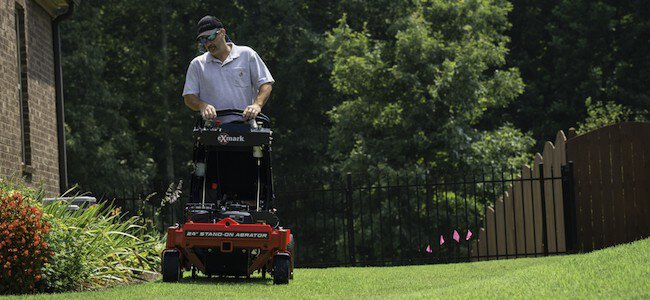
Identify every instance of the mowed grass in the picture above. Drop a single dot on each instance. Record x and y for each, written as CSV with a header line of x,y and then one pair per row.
x,y
619,272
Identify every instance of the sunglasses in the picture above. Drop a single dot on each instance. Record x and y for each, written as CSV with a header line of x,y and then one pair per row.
x,y
209,38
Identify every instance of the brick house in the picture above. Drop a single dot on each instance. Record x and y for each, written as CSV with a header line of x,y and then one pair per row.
x,y
31,102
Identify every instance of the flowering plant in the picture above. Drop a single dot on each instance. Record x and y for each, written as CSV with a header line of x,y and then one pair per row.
x,y
23,249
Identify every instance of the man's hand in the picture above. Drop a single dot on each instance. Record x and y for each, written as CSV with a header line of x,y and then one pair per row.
x,y
252,111
208,112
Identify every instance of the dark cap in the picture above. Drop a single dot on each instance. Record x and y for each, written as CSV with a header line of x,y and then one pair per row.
x,y
208,25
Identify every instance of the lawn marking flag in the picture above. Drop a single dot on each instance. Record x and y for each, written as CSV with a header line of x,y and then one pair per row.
x,y
456,236
442,240
469,235
429,249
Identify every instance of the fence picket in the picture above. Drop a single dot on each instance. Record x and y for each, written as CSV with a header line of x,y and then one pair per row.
x,y
491,229
617,196
609,228
517,200
547,156
537,204
529,218
510,222
597,196
641,181
582,158
559,160
643,139
500,233
627,154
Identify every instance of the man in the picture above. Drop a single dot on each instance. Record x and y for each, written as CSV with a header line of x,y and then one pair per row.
x,y
226,76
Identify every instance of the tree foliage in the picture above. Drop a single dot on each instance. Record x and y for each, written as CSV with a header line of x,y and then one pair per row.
x,y
360,84
125,64
568,51
416,96
601,114
102,147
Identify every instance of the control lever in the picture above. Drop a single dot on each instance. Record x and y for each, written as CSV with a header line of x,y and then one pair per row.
x,y
253,123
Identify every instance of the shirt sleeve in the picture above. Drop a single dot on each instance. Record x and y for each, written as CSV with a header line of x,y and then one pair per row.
x,y
260,74
192,80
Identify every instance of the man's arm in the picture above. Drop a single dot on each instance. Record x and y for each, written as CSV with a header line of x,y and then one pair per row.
x,y
194,103
262,97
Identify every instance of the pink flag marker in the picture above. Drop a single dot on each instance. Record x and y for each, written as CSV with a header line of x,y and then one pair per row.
x,y
429,249
442,240
456,236
469,235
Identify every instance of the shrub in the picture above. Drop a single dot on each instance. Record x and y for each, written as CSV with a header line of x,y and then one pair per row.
x,y
54,249
23,246
96,248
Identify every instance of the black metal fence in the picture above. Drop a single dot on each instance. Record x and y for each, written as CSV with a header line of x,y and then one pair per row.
x,y
143,202
416,218
346,220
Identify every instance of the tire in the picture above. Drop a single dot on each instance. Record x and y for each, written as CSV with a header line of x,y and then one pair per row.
x,y
281,269
292,247
171,266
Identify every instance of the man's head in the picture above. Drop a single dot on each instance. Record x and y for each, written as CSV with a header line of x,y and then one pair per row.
x,y
211,34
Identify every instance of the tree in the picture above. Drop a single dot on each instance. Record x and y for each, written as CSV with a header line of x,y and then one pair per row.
x,y
569,51
103,152
127,59
416,96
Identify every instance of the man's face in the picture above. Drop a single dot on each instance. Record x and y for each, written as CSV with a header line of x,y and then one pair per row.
x,y
214,42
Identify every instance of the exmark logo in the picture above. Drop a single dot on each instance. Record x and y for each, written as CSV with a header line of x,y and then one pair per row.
x,y
224,138
227,234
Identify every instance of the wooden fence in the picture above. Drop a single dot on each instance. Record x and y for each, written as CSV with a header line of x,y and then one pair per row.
x,y
513,226
609,184
612,184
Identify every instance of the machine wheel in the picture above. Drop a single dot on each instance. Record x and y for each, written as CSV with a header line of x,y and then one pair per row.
x,y
281,269
292,247
171,266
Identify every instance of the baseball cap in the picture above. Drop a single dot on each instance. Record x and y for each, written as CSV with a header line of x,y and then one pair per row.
x,y
208,25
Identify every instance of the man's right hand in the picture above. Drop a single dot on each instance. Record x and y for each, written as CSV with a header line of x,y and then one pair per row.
x,y
208,112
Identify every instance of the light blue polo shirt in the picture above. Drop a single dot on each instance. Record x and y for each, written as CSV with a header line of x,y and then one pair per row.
x,y
231,84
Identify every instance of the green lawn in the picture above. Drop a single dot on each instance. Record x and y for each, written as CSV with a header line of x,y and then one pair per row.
x,y
619,272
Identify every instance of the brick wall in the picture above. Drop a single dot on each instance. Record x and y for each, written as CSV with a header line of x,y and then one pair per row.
x,y
41,96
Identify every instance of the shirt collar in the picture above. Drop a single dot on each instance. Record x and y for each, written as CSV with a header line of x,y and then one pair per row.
x,y
234,53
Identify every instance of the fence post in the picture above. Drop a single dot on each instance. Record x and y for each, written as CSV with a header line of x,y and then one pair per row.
x,y
569,208
543,196
350,213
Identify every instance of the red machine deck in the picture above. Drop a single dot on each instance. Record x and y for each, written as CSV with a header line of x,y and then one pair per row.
x,y
228,235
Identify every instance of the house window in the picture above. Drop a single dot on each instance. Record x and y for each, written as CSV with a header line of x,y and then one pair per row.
x,y
23,95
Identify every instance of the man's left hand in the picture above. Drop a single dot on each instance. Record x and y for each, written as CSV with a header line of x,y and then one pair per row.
x,y
252,111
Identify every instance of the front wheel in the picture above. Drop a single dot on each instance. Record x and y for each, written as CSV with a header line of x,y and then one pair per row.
x,y
171,266
281,268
